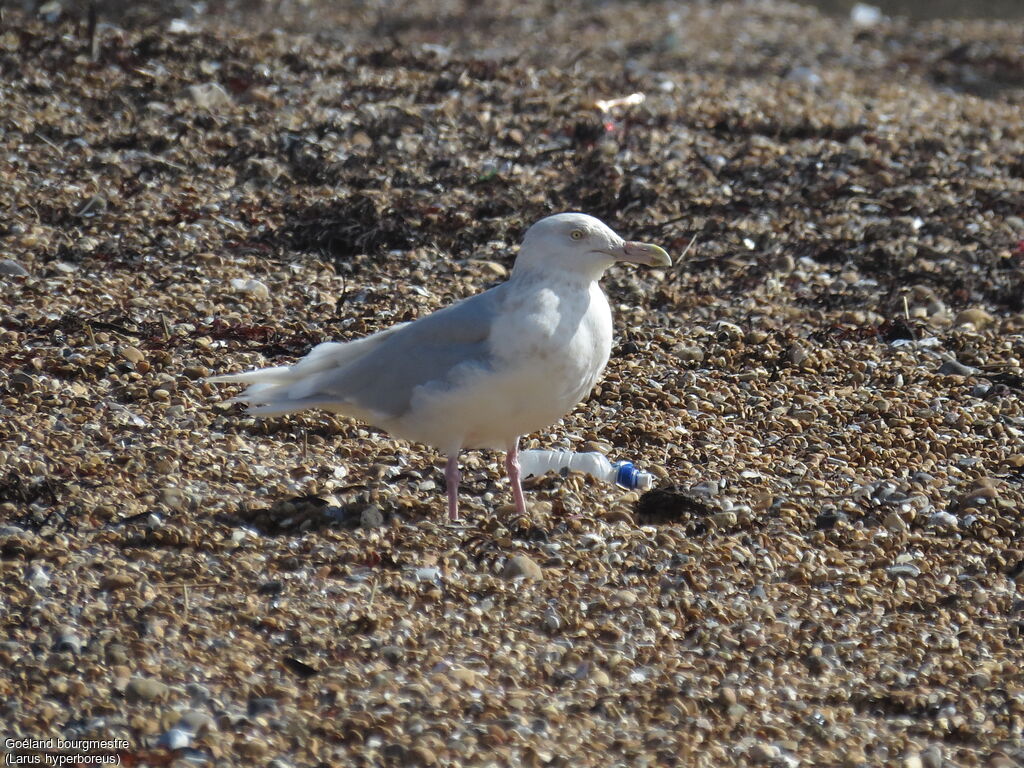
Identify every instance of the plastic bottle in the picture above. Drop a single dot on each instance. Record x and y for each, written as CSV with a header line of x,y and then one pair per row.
x,y
594,464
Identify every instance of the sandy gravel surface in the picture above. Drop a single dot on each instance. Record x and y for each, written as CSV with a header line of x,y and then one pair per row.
x,y
828,384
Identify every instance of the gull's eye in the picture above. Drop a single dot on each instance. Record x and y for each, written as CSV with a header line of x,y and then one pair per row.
x,y
577,234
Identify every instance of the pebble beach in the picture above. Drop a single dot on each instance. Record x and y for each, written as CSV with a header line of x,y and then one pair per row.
x,y
827,383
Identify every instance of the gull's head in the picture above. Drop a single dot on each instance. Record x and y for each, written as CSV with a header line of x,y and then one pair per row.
x,y
576,242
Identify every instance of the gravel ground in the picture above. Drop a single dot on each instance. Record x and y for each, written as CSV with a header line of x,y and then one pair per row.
x,y
828,384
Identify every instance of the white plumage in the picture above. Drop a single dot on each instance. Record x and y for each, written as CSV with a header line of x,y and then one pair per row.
x,y
479,373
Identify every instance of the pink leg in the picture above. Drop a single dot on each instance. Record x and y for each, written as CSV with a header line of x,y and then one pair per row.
x,y
512,467
451,480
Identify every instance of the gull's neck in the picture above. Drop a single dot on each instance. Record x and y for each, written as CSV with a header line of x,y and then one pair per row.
x,y
528,274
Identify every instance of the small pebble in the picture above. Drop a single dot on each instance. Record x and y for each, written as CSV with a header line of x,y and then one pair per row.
x,y
12,268
865,16
553,621
464,676
977,317
955,368
262,706
931,757
943,520
690,354
251,747
727,333
725,519
624,597
116,581
736,712
69,641
132,354
522,566
804,76
196,722
828,520
797,355
143,689
761,753
116,653
197,692
252,287
371,517
175,738
36,577
906,570
210,96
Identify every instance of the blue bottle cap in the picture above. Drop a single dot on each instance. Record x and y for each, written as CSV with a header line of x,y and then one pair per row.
x,y
627,475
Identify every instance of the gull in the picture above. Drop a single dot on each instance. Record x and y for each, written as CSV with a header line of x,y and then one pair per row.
x,y
479,373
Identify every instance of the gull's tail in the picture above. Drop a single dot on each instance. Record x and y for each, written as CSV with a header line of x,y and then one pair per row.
x,y
266,386
290,388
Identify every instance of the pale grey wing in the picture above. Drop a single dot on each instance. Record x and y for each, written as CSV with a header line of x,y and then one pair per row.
x,y
382,381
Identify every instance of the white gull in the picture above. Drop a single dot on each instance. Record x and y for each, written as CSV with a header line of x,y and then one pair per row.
x,y
479,373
